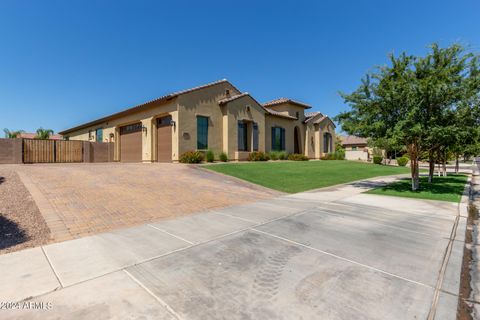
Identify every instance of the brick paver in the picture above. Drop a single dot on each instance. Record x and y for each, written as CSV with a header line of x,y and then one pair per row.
x,y
82,199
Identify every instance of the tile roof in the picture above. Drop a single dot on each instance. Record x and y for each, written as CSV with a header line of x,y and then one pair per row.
x,y
349,140
279,114
310,115
286,100
30,135
162,98
232,98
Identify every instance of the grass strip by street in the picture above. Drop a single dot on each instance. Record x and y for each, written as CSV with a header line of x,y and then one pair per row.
x,y
293,176
449,188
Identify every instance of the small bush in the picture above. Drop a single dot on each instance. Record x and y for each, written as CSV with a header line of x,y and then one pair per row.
x,y
297,157
223,157
209,156
191,157
258,156
377,159
402,161
328,156
278,155
339,154
273,155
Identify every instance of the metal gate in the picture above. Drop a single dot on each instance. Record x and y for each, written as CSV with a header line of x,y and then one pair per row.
x,y
50,151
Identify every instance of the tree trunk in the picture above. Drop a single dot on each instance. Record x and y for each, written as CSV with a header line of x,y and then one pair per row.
x,y
431,166
413,153
456,164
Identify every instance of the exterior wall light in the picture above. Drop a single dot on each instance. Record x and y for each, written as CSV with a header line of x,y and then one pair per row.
x,y
172,123
144,129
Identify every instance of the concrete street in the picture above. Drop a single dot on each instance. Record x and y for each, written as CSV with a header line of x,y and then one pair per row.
x,y
328,254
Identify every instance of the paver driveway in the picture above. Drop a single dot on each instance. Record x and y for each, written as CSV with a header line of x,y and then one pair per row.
x,y
328,254
83,199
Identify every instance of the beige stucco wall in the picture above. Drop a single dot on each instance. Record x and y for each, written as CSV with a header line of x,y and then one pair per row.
x,y
235,111
290,109
289,126
147,118
202,103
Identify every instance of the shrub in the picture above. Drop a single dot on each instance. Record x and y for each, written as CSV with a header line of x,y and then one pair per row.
x,y
258,156
402,161
297,157
191,157
223,157
273,155
328,156
339,154
282,155
209,156
377,159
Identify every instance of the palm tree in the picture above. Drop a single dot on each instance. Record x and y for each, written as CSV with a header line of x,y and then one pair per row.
x,y
43,133
11,134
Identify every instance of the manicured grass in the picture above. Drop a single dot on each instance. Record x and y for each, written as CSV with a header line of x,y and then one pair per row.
x,y
293,176
449,188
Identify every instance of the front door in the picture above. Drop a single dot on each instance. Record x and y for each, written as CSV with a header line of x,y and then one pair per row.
x,y
164,139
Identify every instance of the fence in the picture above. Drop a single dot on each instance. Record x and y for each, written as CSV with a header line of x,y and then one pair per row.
x,y
50,151
54,151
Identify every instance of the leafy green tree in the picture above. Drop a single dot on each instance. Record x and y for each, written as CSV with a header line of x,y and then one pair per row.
x,y
43,133
413,102
12,134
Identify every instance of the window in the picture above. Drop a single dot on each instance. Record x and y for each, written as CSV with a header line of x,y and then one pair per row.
x,y
354,148
297,114
242,136
131,128
99,134
202,133
327,142
255,136
278,139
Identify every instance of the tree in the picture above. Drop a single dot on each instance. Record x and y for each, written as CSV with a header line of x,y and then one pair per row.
x,y
43,133
12,134
413,101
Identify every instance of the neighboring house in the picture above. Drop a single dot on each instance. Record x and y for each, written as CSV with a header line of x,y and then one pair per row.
x,y
29,135
356,148
215,116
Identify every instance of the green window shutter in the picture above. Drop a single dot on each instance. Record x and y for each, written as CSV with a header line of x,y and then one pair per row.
x,y
282,138
255,136
273,138
202,133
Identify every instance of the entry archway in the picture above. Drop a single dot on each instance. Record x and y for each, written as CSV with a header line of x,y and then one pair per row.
x,y
297,144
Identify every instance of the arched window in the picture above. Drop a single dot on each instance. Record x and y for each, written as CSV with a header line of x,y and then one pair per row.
x,y
327,142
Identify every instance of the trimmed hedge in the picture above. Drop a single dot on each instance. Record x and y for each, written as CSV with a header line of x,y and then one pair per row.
x,y
191,157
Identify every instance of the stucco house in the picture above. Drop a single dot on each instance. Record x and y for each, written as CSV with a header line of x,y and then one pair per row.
x,y
215,116
356,148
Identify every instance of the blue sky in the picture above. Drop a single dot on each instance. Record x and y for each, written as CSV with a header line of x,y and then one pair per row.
x,y
63,63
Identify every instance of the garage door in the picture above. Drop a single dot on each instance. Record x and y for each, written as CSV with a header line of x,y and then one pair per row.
x,y
164,139
131,143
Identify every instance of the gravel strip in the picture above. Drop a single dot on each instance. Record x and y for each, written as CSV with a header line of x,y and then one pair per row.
x,y
21,223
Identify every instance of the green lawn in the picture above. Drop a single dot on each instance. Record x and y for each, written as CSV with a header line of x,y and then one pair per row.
x,y
449,188
297,176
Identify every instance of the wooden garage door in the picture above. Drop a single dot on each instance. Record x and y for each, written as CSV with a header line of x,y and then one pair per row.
x,y
164,139
131,143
